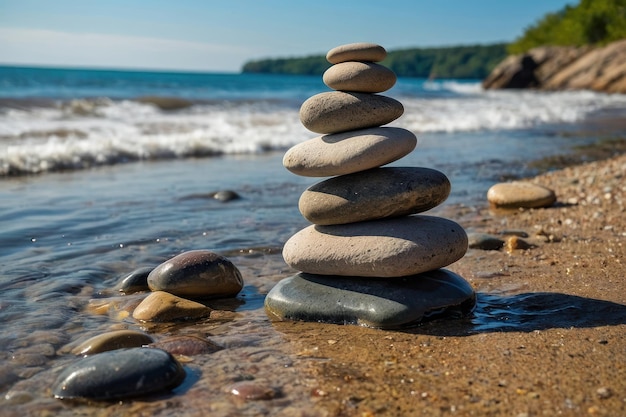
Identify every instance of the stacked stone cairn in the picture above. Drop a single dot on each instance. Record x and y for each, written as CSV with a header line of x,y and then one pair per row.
x,y
368,258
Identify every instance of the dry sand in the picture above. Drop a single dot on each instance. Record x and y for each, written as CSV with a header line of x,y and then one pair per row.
x,y
548,337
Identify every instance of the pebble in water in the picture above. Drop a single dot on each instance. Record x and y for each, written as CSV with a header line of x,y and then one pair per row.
x,y
118,339
197,274
119,374
136,281
161,306
187,345
250,390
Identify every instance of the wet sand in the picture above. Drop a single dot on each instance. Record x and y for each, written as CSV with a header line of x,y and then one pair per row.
x,y
548,336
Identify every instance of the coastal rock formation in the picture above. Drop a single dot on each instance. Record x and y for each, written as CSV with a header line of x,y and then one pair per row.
x,y
564,68
369,258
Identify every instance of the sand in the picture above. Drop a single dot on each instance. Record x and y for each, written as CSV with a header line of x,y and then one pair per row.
x,y
548,337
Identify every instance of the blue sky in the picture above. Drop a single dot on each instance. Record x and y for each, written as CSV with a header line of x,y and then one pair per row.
x,y
220,35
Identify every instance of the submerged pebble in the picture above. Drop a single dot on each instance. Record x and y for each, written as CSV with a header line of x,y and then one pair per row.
x,y
251,390
187,345
118,339
118,374
162,306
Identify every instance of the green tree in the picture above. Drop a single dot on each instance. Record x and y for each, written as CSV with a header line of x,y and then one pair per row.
x,y
591,22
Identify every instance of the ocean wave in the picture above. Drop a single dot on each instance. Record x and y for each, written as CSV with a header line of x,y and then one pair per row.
x,y
82,133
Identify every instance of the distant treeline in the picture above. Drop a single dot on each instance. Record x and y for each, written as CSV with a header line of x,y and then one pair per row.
x,y
473,62
592,22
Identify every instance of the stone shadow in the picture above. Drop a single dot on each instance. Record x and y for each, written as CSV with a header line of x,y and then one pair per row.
x,y
527,312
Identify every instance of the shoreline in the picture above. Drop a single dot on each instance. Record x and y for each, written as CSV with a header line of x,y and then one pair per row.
x,y
564,353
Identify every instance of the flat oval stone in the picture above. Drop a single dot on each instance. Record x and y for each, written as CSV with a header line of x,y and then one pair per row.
x,y
337,111
374,194
119,374
186,345
118,339
197,274
163,306
359,51
136,281
381,303
363,77
348,152
394,247
519,194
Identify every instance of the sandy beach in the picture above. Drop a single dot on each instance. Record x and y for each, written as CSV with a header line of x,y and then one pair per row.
x,y
565,296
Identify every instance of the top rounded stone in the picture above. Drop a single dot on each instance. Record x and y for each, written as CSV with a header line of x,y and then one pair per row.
x,y
197,274
519,194
360,51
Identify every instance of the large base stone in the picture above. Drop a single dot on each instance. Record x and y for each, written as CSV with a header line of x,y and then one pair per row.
x,y
371,302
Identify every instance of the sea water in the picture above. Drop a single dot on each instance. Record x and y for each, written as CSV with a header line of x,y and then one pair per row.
x,y
103,172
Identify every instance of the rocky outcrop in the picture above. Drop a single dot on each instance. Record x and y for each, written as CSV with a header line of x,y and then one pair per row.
x,y
564,68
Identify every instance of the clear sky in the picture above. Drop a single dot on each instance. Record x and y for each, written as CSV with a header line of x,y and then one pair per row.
x,y
220,35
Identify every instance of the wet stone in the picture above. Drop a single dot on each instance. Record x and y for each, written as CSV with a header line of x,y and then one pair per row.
x,y
252,391
349,152
118,339
362,77
187,345
372,302
374,194
136,281
119,374
393,247
519,194
161,306
336,111
359,51
484,241
197,274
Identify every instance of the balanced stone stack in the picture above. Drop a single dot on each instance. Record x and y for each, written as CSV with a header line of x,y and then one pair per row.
x,y
368,258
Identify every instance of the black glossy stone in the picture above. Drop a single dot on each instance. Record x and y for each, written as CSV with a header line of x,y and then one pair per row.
x,y
371,302
119,374
136,281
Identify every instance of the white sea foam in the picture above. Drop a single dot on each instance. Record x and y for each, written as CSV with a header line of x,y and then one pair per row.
x,y
84,133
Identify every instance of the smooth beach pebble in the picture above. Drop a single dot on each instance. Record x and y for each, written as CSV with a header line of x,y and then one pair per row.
x,y
363,77
374,194
371,302
251,390
197,274
162,306
118,339
337,111
359,51
349,152
518,194
119,374
393,247
136,281
186,345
